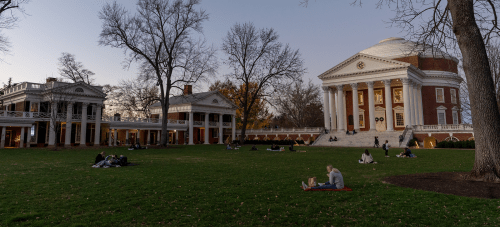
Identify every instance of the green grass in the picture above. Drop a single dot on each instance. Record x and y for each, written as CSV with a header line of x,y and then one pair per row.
x,y
205,185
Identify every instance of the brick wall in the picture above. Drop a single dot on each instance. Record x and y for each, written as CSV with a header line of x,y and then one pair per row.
x,y
438,64
429,105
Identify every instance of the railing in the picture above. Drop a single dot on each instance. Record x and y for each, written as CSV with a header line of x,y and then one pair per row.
x,y
212,123
402,136
142,120
198,123
226,123
76,116
284,130
91,117
439,128
24,86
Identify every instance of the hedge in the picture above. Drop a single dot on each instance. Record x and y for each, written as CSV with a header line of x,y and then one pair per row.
x,y
458,144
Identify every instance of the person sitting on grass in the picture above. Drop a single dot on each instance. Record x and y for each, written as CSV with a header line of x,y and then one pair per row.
x,y
336,181
366,157
275,147
406,153
228,147
100,157
254,148
291,148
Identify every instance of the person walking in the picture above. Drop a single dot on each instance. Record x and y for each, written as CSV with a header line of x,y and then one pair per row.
x,y
386,148
376,144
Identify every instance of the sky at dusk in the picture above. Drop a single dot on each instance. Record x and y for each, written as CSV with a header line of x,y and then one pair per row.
x,y
326,33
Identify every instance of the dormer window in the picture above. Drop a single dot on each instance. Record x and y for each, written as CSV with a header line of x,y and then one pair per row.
x,y
79,90
215,101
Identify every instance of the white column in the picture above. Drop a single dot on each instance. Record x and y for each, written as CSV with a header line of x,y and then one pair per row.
x,y
371,105
21,142
207,128
158,137
221,132
138,139
191,121
176,137
127,142
115,141
148,138
415,104
412,102
28,143
233,126
406,101
69,118
420,109
355,106
340,101
333,111
326,108
2,137
97,136
388,106
52,125
83,134
110,139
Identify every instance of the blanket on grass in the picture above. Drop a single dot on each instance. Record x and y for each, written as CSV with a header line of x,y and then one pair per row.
x,y
343,189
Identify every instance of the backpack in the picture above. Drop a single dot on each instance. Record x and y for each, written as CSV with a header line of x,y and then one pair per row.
x,y
383,146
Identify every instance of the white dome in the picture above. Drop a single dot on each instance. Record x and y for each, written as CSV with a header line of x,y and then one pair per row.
x,y
394,47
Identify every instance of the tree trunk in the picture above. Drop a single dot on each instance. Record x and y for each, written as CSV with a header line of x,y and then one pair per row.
x,y
484,108
165,105
244,126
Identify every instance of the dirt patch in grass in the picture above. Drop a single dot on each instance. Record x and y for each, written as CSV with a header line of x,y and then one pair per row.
x,y
447,183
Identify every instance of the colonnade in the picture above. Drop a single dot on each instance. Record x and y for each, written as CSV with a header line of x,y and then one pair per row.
x,y
334,107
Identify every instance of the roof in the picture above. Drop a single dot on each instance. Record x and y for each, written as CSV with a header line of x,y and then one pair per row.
x,y
183,99
394,47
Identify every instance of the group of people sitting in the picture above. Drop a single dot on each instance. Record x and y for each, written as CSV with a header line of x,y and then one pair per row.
x,y
348,133
335,180
332,139
406,154
233,146
103,161
136,146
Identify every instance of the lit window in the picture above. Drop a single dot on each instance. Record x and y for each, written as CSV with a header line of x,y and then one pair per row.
x,y
360,98
398,95
453,95
440,95
361,120
400,120
378,97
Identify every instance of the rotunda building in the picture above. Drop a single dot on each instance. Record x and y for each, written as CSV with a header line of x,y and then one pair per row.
x,y
390,86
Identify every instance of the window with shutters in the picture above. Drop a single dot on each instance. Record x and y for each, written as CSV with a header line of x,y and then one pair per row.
x,y
453,95
440,95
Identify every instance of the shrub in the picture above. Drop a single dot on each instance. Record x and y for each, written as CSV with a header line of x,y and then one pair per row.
x,y
412,142
458,144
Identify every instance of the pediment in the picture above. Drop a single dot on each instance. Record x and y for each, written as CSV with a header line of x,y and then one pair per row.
x,y
441,108
379,108
362,63
79,89
398,108
216,100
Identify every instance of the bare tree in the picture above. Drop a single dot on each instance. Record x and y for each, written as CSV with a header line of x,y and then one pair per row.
x,y
256,57
138,96
300,105
73,70
8,19
159,38
469,25
58,100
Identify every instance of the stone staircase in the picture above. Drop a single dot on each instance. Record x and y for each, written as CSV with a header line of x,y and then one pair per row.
x,y
362,139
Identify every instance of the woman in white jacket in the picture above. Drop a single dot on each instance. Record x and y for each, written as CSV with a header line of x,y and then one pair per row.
x,y
366,157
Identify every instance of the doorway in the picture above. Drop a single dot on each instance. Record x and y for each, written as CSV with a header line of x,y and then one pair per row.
x,y
381,123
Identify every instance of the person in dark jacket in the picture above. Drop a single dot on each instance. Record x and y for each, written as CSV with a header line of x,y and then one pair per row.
x,y
100,157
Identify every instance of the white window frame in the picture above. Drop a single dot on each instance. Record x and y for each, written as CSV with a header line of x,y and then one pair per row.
x,y
454,115
394,96
437,97
381,95
360,93
441,110
398,110
362,118
453,95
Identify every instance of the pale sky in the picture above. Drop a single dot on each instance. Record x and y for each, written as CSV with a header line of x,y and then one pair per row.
x,y
326,33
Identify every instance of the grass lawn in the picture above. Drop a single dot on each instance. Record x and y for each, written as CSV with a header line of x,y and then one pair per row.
x,y
205,185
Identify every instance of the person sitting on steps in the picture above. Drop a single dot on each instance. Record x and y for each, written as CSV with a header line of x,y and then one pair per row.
x,y
331,139
335,138
347,132
336,181
354,131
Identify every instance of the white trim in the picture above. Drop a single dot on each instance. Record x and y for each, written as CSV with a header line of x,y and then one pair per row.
x,y
454,114
441,111
437,97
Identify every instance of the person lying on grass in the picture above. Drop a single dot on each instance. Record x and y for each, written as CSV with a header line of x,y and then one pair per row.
x,y
254,148
275,147
336,181
100,157
366,157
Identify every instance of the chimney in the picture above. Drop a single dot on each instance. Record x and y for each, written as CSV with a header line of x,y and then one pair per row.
x,y
51,79
188,89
